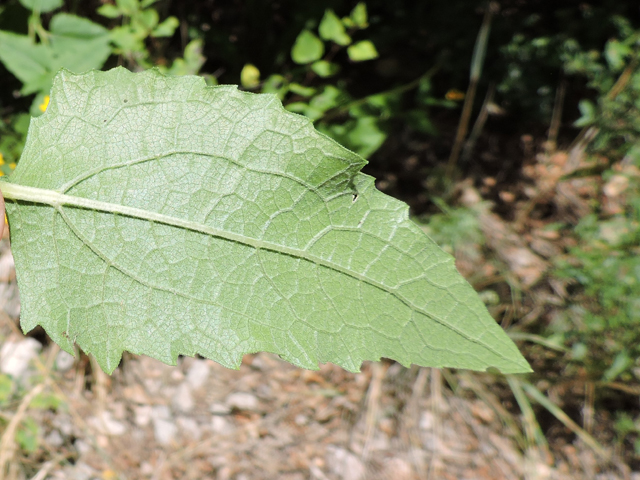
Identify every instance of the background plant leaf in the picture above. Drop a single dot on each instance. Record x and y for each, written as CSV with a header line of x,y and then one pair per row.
x,y
42,6
211,221
76,43
307,48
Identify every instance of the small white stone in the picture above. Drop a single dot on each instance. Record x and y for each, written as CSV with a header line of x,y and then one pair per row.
x,y
164,431
345,464
198,373
81,471
161,411
147,469
82,447
182,399
15,356
221,425
63,423
105,424
143,415
426,420
189,428
54,439
219,409
64,361
242,401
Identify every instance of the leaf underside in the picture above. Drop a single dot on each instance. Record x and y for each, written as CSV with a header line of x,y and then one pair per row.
x,y
247,231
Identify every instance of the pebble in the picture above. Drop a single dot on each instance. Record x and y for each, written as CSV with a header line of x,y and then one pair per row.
x,y
80,471
64,361
198,374
182,398
15,356
142,415
161,411
136,394
54,439
164,429
221,425
426,420
64,424
344,464
106,424
398,469
146,469
82,447
219,409
189,428
242,401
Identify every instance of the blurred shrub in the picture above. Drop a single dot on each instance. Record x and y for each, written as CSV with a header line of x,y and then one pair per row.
x,y
71,42
314,90
13,134
602,325
614,74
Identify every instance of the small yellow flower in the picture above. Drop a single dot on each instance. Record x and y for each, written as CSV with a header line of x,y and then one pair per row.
x,y
1,173
1,159
45,103
454,94
109,475
12,165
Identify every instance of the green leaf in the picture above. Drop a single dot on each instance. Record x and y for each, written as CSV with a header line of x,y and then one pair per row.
x,y
331,28
361,51
275,84
42,6
329,97
127,39
129,7
7,386
76,44
28,435
166,28
71,26
28,61
191,63
250,76
616,54
163,217
308,48
148,20
109,11
366,136
301,90
324,68
588,113
359,15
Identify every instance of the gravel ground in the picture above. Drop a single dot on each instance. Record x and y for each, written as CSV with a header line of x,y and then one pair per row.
x,y
198,420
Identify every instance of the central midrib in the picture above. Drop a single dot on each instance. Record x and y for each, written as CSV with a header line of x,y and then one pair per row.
x,y
12,191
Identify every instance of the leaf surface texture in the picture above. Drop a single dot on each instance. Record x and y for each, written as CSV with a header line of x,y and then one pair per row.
x,y
186,219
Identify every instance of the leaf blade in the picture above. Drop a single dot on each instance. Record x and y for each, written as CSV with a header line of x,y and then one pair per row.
x,y
163,239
